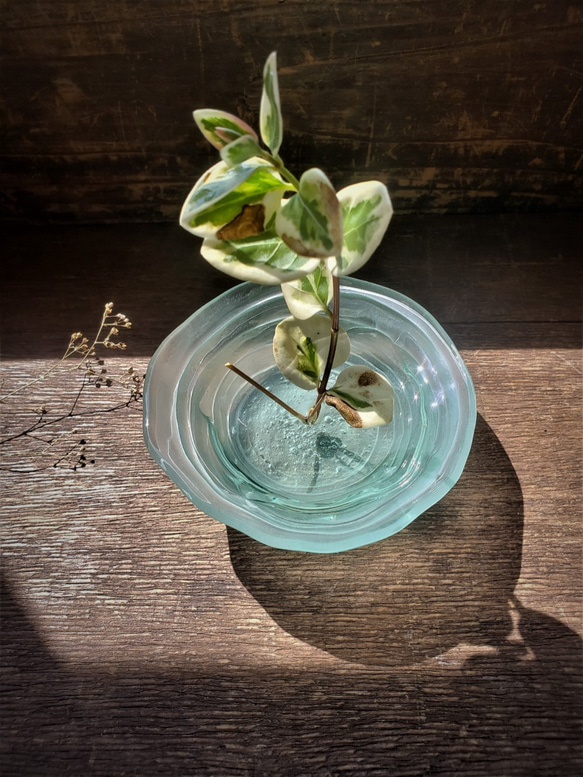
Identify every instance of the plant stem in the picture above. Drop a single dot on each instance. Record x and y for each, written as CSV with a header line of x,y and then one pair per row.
x,y
333,334
290,177
323,385
267,392
314,412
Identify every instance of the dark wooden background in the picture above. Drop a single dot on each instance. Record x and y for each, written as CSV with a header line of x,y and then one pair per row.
x,y
458,105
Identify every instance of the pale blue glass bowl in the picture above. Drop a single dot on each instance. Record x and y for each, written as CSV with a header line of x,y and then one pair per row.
x,y
245,461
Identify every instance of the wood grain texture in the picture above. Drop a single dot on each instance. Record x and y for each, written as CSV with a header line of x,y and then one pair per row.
x,y
458,106
142,638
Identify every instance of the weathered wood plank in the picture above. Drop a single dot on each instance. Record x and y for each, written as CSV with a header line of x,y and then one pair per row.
x,y
144,631
459,108
141,637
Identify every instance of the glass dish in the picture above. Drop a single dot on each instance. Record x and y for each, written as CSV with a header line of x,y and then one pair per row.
x,y
245,461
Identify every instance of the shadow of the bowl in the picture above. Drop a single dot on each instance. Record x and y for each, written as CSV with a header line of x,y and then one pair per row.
x,y
445,579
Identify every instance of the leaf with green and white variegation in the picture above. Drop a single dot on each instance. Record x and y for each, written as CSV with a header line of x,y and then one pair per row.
x,y
362,396
220,127
261,258
366,213
211,187
240,150
310,222
310,294
300,349
220,194
270,121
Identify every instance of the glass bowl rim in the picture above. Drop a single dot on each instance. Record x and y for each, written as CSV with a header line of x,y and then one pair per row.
x,y
244,296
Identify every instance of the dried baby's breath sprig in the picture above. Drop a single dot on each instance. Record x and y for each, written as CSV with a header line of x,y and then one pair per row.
x,y
49,433
79,345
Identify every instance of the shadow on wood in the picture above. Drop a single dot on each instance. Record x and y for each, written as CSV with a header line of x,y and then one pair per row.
x,y
445,580
515,710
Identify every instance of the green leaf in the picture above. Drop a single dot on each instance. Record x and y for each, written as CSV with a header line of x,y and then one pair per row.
x,y
300,349
240,150
212,186
220,195
270,121
310,222
221,128
310,294
366,213
363,397
261,258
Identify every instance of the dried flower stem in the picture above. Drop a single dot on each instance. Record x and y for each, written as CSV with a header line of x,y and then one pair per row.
x,y
95,375
79,345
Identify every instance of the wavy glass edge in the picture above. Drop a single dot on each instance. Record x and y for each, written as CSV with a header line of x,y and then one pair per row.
x,y
162,435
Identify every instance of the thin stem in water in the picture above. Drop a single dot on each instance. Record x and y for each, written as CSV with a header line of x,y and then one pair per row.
x,y
314,412
266,391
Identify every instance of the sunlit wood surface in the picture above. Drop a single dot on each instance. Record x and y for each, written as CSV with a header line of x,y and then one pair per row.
x,y
143,638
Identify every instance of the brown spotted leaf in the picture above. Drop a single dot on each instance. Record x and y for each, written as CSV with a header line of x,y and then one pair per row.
x,y
362,396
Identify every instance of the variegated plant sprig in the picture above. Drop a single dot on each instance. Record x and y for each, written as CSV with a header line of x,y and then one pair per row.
x,y
260,223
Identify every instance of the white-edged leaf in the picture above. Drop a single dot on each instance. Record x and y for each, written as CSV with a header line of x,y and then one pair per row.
x,y
211,187
220,195
261,258
221,128
300,349
366,213
362,396
310,222
270,121
240,150
310,294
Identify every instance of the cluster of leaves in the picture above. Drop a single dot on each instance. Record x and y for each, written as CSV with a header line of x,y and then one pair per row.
x,y
51,429
260,223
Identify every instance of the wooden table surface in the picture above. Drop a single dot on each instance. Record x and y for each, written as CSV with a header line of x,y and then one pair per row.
x,y
141,637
